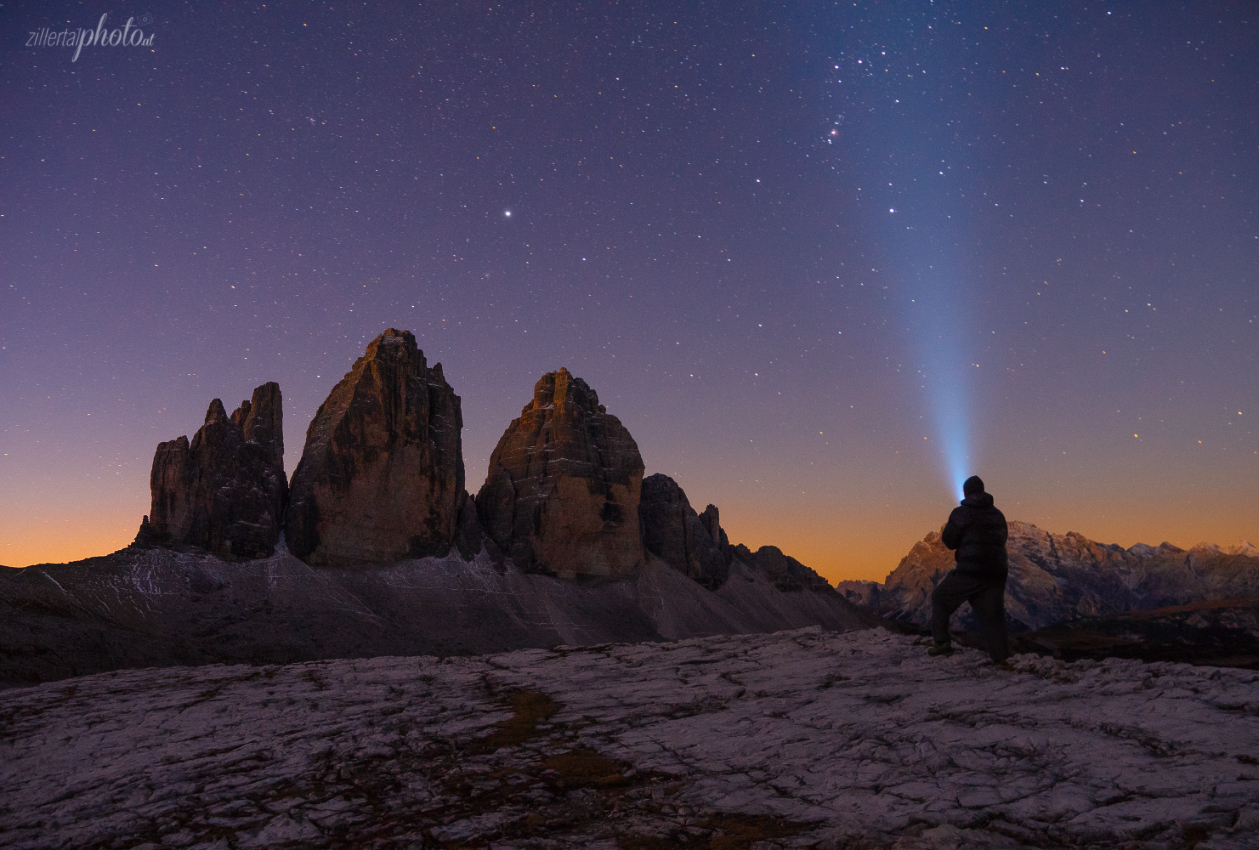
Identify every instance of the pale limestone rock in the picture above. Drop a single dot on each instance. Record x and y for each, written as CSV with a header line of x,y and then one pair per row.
x,y
381,475
798,739
564,484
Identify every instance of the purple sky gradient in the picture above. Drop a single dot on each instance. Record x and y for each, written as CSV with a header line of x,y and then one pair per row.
x,y
802,251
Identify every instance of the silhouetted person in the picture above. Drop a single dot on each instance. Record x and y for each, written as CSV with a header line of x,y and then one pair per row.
x,y
977,532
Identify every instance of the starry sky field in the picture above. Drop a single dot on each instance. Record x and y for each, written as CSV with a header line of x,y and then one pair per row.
x,y
821,259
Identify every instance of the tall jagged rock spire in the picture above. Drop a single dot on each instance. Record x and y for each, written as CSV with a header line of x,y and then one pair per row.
x,y
564,484
693,544
225,492
381,475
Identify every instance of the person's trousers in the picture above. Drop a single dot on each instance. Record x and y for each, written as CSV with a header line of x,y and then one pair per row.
x,y
986,596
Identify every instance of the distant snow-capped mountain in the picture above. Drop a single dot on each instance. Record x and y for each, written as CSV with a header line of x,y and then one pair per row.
x,y
1054,578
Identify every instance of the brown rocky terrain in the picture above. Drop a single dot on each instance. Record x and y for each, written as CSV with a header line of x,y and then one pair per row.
x,y
1055,578
225,492
563,487
693,544
1217,632
381,474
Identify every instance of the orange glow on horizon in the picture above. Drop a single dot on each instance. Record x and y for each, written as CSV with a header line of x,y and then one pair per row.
x,y
59,541
838,546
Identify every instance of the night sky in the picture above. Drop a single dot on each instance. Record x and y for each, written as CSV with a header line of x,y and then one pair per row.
x,y
820,259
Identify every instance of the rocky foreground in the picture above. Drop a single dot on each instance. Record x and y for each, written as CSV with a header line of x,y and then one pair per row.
x,y
796,739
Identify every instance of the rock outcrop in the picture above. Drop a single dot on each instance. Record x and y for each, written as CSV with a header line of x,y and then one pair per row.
x,y
691,543
469,539
381,475
564,483
783,570
1054,578
224,492
1219,633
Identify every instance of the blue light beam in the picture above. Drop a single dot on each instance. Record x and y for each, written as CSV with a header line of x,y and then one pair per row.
x,y
940,332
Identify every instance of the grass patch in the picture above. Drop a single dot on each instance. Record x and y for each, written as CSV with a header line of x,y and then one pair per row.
x,y
586,768
740,832
531,707
831,678
720,832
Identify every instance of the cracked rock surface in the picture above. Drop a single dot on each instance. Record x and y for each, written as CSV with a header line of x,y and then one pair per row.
x,y
796,739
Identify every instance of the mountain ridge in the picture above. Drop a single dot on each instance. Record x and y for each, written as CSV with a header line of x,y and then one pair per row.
x,y
156,607
1057,578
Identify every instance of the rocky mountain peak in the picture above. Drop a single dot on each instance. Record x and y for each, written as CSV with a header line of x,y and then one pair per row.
x,y
561,388
1144,550
693,544
216,414
785,571
711,520
225,491
381,476
1054,578
392,338
564,484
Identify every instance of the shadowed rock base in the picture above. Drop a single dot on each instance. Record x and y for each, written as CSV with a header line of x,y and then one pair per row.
x,y
1222,633
160,608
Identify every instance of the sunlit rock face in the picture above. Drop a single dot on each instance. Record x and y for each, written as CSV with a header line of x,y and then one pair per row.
x,y
224,492
564,485
1063,577
691,543
381,475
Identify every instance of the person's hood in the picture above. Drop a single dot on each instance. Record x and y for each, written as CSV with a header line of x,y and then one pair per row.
x,y
978,500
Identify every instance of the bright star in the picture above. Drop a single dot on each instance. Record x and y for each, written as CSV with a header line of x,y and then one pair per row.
x,y
507,213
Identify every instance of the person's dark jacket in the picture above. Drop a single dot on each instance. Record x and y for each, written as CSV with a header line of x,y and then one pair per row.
x,y
977,531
